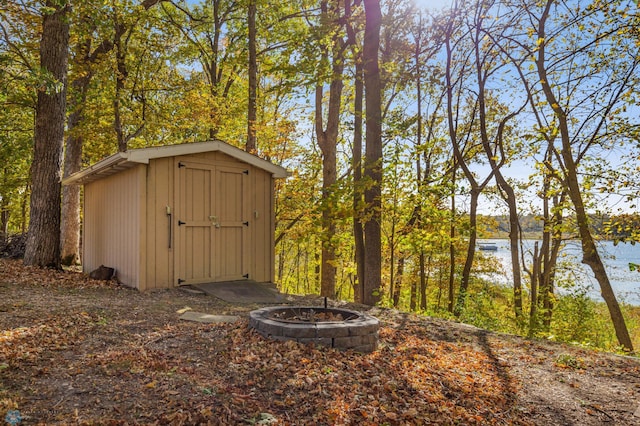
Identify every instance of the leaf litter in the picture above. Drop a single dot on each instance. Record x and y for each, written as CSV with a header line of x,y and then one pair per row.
x,y
78,351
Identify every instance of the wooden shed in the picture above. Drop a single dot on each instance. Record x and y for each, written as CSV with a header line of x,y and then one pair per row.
x,y
180,214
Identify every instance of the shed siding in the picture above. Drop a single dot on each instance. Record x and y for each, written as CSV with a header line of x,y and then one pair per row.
x,y
262,235
112,224
159,238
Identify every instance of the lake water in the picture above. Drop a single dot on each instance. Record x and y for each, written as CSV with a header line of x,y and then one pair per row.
x,y
625,283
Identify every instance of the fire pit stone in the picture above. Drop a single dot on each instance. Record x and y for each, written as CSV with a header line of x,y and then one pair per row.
x,y
332,327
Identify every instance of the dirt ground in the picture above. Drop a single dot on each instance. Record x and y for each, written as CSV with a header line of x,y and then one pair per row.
x,y
78,351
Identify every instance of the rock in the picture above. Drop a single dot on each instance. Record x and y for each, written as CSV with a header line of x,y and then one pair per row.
x,y
103,273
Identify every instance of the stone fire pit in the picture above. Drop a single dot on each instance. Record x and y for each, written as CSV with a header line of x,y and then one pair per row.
x,y
332,327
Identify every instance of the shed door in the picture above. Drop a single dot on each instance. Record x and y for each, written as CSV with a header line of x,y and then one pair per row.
x,y
212,224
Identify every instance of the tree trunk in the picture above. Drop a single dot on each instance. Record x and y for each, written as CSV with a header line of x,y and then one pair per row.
x,y
356,158
356,164
482,56
43,240
70,220
397,288
413,296
476,188
121,46
514,242
533,306
452,246
24,200
548,280
471,251
373,157
252,110
424,280
121,78
328,141
590,254
547,259
551,243
70,215
4,219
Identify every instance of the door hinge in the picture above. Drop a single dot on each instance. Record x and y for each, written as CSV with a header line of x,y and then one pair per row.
x,y
180,281
181,164
181,222
245,223
245,276
246,172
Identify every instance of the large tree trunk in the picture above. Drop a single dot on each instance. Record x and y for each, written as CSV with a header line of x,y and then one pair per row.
x,y
328,141
43,240
252,110
356,158
373,156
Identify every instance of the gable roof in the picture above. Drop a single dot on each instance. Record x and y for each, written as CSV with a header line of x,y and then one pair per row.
x,y
128,159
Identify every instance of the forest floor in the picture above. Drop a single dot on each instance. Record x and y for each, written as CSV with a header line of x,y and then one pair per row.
x,y
79,351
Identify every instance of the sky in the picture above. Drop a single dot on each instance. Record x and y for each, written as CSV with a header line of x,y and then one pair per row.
x,y
433,4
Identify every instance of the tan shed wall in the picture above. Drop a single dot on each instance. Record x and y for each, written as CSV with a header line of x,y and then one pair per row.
x,y
262,216
112,215
159,250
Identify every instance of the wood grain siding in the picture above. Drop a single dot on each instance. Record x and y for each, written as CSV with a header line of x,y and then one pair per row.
x,y
231,208
270,252
262,269
158,235
112,224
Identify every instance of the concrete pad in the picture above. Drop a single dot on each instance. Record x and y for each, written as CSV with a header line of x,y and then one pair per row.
x,y
208,318
245,291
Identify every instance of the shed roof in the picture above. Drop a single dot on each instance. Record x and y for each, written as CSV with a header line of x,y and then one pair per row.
x,y
126,160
